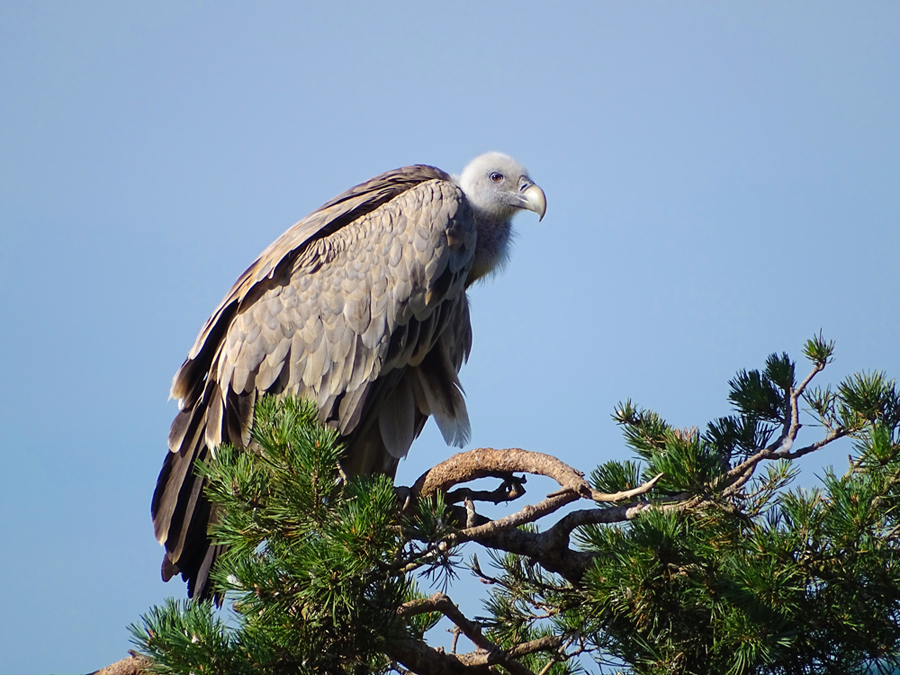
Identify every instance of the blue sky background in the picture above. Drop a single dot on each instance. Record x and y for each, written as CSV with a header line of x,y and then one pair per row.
x,y
723,182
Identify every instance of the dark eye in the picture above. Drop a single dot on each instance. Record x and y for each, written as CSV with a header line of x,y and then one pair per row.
x,y
496,177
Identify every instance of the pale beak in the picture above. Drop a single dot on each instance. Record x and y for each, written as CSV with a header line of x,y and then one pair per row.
x,y
533,199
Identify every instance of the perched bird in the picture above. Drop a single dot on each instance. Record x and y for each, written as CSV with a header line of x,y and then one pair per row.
x,y
361,306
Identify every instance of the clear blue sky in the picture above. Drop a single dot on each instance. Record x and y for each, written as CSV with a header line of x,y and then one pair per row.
x,y
723,182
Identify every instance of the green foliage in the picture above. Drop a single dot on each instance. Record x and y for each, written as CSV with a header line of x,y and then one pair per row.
x,y
808,586
819,351
687,460
757,396
616,476
780,371
768,579
738,435
866,398
309,563
180,635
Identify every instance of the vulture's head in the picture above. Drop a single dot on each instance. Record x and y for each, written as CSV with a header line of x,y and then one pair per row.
x,y
497,187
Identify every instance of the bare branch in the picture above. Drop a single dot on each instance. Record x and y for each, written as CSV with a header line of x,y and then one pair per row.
x,y
488,462
542,644
546,669
833,435
439,602
527,515
424,660
744,470
626,494
792,422
510,490
132,665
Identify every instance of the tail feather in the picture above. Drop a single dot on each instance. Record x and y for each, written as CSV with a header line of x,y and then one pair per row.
x,y
177,468
439,393
181,511
190,515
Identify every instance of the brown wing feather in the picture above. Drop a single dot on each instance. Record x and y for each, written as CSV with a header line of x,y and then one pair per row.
x,y
344,308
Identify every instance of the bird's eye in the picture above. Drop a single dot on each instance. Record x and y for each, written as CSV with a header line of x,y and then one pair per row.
x,y
496,177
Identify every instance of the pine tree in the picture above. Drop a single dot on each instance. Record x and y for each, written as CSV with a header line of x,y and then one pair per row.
x,y
696,556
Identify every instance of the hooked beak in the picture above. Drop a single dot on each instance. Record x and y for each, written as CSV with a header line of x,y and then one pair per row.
x,y
533,198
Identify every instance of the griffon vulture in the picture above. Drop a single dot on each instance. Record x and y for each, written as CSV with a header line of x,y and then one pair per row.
x,y
361,306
